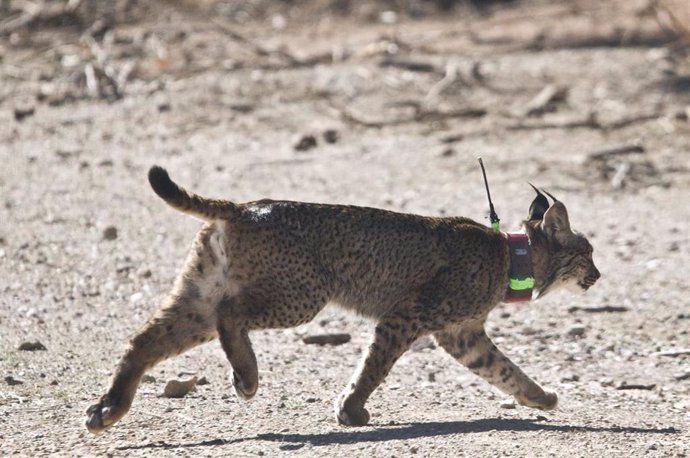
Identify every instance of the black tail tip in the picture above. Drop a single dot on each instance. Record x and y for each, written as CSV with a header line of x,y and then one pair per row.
x,y
161,183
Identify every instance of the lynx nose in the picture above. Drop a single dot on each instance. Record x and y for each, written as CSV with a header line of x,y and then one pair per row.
x,y
595,274
591,277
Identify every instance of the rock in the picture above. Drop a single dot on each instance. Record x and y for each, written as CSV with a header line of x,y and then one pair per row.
x,y
682,376
11,381
306,142
327,339
110,233
576,331
21,112
674,352
423,343
570,378
635,386
508,404
330,136
146,273
32,346
179,388
598,308
203,381
147,378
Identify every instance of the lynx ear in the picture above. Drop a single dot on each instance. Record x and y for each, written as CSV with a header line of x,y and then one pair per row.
x,y
556,220
539,205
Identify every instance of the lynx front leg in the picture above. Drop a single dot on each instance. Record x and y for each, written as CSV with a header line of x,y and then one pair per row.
x,y
473,348
392,337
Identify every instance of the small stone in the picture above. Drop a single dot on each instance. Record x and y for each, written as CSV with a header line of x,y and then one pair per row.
x,y
423,343
682,376
330,136
576,331
311,400
179,388
507,404
327,339
11,381
306,142
147,378
635,386
32,346
448,152
146,273
110,233
21,112
203,381
571,378
541,418
54,383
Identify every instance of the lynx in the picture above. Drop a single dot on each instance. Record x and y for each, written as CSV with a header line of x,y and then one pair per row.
x,y
276,264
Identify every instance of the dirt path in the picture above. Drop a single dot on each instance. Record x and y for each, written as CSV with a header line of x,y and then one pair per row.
x,y
409,106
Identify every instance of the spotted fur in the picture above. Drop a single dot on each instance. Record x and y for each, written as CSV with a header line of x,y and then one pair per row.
x,y
276,264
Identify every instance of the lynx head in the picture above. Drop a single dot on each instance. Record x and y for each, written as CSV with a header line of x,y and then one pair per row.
x,y
561,256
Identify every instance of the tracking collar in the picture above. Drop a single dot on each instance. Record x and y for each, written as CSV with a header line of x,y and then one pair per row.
x,y
520,276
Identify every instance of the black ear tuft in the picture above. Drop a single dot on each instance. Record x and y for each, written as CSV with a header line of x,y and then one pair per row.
x,y
539,205
549,194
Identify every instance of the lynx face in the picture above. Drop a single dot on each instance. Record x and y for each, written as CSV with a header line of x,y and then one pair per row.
x,y
564,259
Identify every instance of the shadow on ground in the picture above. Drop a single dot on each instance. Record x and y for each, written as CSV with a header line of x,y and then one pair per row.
x,y
291,441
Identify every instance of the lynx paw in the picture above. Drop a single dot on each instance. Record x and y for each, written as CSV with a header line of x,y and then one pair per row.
x,y
546,400
103,415
241,389
349,415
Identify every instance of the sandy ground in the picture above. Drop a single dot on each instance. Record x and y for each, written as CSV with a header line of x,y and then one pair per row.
x,y
412,103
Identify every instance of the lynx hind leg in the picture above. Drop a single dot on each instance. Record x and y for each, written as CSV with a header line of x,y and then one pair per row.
x,y
264,306
474,349
392,337
186,320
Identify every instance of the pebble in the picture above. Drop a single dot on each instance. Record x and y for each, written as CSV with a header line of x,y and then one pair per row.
x,y
179,388
147,378
32,346
508,404
306,142
576,331
11,381
423,343
110,233
203,381
21,112
327,339
683,376
330,136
